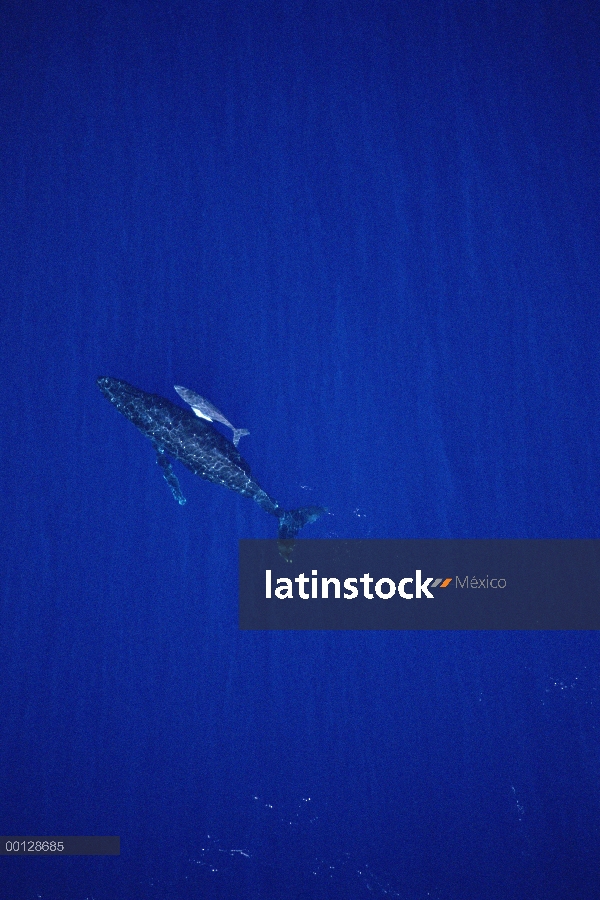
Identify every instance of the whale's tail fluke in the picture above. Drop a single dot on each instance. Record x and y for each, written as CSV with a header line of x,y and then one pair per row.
x,y
290,523
292,520
237,434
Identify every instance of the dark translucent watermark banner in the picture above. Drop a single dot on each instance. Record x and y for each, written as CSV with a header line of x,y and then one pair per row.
x,y
70,845
421,585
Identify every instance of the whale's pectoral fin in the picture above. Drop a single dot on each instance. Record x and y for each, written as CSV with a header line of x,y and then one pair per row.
x,y
169,475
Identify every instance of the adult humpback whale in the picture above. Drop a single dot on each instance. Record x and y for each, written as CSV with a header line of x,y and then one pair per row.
x,y
202,449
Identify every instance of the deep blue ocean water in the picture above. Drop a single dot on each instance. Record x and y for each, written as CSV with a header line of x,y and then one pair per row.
x,y
369,233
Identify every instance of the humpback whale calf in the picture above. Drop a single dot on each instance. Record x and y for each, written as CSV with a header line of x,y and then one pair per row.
x,y
205,410
174,432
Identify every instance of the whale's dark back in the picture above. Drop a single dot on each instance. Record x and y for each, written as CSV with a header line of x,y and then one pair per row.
x,y
203,450
181,434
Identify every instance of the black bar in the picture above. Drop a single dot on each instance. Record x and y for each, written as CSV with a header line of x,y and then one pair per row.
x,y
24,845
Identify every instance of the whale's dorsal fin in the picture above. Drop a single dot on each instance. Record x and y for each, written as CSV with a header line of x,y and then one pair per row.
x,y
204,409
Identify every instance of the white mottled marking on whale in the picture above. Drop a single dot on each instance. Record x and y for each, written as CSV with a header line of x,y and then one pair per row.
x,y
201,415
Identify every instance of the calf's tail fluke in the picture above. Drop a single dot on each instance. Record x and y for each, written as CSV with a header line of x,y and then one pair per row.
x,y
237,434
